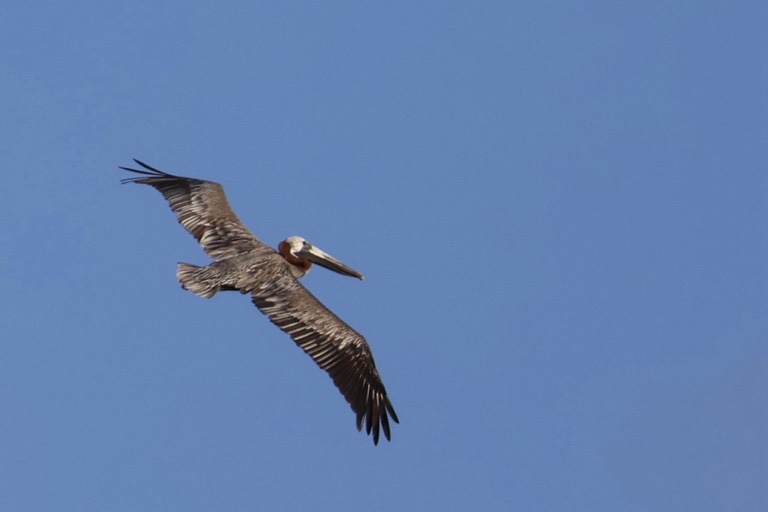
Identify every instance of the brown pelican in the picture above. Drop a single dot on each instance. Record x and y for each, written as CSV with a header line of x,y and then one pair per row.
x,y
242,262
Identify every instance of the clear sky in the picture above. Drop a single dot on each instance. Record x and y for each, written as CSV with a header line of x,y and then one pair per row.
x,y
560,210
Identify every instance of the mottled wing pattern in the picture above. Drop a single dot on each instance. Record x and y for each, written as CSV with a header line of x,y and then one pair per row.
x,y
335,347
202,208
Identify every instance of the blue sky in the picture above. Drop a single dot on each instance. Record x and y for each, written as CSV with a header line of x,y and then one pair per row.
x,y
560,210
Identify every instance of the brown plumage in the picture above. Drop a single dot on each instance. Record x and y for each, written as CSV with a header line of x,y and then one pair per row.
x,y
242,262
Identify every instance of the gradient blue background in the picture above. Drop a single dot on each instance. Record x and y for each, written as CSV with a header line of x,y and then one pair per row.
x,y
560,209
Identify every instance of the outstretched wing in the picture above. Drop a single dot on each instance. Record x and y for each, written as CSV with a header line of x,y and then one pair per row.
x,y
335,347
202,208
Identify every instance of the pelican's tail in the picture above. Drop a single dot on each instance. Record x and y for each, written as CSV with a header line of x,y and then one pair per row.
x,y
202,281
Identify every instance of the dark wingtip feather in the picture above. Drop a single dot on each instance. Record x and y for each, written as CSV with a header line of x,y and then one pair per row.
x,y
135,178
369,418
375,419
391,411
149,167
385,426
148,171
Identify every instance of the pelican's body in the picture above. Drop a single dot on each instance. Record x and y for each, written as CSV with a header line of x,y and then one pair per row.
x,y
242,262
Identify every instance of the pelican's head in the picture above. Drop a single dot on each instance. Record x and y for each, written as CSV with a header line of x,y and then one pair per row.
x,y
301,254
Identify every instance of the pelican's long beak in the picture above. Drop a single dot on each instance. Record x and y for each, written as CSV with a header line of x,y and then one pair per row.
x,y
322,258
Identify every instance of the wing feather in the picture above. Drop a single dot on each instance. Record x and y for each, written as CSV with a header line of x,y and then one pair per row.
x,y
333,345
202,208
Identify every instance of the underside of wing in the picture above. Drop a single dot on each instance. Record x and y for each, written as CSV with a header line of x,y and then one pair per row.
x,y
202,208
333,345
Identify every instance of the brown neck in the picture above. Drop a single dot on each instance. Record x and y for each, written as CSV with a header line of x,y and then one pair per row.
x,y
300,266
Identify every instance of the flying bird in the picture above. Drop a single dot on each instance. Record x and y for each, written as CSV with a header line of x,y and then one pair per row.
x,y
243,263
